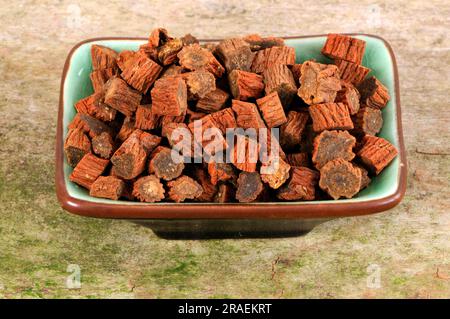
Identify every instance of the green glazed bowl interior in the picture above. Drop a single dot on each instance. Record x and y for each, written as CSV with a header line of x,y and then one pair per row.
x,y
77,85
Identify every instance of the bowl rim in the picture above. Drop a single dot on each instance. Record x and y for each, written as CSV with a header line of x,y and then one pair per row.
x,y
230,211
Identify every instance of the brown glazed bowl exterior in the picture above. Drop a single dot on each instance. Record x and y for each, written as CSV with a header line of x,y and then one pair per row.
x,y
229,211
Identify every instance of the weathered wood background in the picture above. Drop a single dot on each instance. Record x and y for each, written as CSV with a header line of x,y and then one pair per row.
x,y
408,247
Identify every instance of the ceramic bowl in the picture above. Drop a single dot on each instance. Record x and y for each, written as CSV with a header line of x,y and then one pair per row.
x,y
385,191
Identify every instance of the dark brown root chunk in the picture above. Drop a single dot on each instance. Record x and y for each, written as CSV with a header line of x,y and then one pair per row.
x,y
368,121
193,57
299,159
330,145
89,125
103,145
339,178
235,54
148,189
109,187
278,78
319,83
209,189
291,132
183,188
76,145
373,93
225,193
349,95
249,187
221,172
162,164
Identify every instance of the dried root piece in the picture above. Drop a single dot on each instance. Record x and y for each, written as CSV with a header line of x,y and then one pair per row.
x,y
163,165
296,70
167,53
213,101
148,189
183,188
193,115
339,46
193,57
257,42
169,97
244,154
235,54
141,72
319,83
365,179
172,70
209,189
351,72
128,127
146,119
245,85
103,145
280,55
247,115
210,137
109,187
330,116
299,159
103,57
158,37
224,119
130,158
330,145
376,153
100,77
278,78
272,110
368,121
349,95
169,129
124,58
291,132
225,193
339,178
188,39
373,93
121,97
77,145
249,187
301,185
94,106
199,84
275,173
221,172
89,125
88,169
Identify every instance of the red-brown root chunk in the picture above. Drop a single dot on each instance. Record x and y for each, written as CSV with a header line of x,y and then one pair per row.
x,y
300,186
76,145
235,54
163,165
109,187
146,119
339,46
272,110
247,115
121,97
103,145
275,173
351,72
141,72
213,101
349,95
194,57
103,57
277,55
376,153
88,169
245,85
291,132
278,78
183,188
368,121
169,97
373,93
330,116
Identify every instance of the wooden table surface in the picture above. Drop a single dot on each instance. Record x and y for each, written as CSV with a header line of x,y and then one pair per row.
x,y
404,252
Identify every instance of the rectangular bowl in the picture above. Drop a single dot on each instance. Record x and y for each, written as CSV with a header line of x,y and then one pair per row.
x,y
385,191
